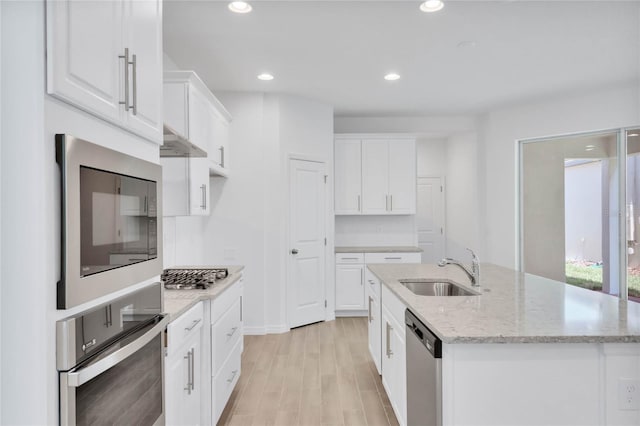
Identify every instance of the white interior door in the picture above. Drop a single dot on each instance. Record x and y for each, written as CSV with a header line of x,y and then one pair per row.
x,y
430,218
306,287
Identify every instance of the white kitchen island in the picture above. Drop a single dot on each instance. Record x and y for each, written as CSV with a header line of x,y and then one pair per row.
x,y
527,350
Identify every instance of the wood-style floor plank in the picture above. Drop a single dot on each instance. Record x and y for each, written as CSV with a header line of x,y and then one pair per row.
x,y
321,374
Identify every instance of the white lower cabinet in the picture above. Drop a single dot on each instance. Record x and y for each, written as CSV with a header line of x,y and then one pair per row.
x,y
203,357
226,346
183,368
352,277
394,362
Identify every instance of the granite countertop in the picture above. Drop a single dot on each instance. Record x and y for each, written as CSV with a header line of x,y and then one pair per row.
x,y
514,308
177,302
379,249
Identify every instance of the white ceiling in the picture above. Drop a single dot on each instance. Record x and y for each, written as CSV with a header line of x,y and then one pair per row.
x,y
338,51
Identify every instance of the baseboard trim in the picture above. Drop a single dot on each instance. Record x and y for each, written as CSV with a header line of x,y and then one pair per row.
x,y
277,329
254,331
352,313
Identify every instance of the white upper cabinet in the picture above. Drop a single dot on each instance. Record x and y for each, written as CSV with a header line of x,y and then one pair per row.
x,y
106,58
375,176
185,187
348,177
193,112
402,176
143,19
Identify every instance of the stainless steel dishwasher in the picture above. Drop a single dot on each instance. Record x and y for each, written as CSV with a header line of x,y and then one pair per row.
x,y
424,374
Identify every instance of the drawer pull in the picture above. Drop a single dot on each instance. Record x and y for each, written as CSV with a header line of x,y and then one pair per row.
x,y
392,258
233,331
371,282
350,258
233,376
195,322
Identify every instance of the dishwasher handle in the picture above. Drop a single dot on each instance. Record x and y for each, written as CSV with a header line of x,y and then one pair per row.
x,y
428,339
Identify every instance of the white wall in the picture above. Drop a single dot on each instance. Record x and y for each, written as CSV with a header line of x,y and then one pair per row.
x,y
500,129
431,157
249,219
426,126
461,194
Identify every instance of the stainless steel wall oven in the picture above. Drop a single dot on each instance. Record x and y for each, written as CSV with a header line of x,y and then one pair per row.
x,y
111,220
111,362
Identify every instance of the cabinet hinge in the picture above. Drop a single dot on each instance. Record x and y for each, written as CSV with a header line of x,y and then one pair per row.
x,y
440,188
441,231
325,241
325,303
325,178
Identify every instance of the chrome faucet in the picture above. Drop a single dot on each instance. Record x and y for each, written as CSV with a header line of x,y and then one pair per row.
x,y
474,273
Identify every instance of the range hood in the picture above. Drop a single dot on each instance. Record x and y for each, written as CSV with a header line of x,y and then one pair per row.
x,y
175,145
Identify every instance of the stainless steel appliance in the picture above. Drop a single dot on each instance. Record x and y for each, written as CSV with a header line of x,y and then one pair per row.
x,y
424,374
189,278
111,221
111,362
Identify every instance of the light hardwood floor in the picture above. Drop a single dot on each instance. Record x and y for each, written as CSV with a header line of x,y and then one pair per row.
x,y
320,374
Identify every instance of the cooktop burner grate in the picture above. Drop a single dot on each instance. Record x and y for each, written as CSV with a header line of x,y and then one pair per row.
x,y
192,278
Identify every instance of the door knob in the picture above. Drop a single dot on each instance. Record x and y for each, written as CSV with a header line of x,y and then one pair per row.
x,y
294,251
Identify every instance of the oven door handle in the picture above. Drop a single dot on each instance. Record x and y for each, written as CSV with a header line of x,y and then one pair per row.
x,y
80,377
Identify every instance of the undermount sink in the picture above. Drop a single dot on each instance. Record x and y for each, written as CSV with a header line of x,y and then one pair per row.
x,y
433,287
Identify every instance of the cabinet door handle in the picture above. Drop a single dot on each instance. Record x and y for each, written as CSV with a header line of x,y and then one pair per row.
x,y
134,81
359,207
188,358
233,375
193,368
195,322
126,79
233,331
371,282
203,188
221,156
361,276
391,198
370,316
389,351
386,202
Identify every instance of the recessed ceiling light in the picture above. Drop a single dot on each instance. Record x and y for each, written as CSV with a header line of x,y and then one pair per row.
x,y
240,7
392,76
467,44
431,6
633,135
590,147
265,77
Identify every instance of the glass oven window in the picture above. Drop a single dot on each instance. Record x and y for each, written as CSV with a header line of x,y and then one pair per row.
x,y
118,224
130,393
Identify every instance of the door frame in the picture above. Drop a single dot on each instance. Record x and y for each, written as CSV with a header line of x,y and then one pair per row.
x,y
443,182
288,262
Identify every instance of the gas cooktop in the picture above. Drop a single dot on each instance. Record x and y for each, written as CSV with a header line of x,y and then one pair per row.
x,y
192,278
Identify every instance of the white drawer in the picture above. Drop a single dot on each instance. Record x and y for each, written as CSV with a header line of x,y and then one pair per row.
x,y
394,306
225,381
223,302
225,333
349,257
392,257
185,326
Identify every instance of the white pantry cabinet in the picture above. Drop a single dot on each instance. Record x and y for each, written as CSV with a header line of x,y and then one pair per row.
x,y
193,112
375,176
106,58
183,368
185,183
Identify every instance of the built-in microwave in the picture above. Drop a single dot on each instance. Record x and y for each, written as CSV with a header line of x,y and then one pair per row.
x,y
111,221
